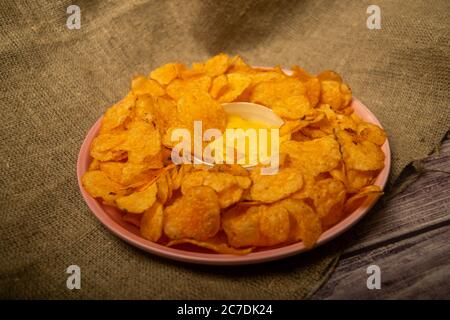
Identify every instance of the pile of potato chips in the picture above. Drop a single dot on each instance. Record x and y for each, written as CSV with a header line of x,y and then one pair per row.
x,y
328,162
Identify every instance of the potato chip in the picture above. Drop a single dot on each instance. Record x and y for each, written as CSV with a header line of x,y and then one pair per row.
x,y
196,215
164,188
270,92
274,225
366,195
313,91
99,185
199,106
305,223
166,73
294,107
151,224
177,88
357,179
238,65
218,86
141,85
113,170
217,65
329,196
315,156
142,142
329,75
371,132
145,108
229,188
360,155
138,202
118,114
241,225
301,74
237,83
271,188
105,147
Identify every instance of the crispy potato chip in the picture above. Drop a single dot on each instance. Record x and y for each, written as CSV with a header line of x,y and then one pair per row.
x,y
241,225
98,185
365,196
301,74
151,224
371,132
238,65
313,91
142,143
270,92
141,85
138,202
217,65
274,225
94,165
164,188
118,114
357,179
218,86
315,156
305,223
199,106
294,107
195,215
329,75
166,73
177,88
113,170
229,188
105,147
271,188
237,83
329,196
360,155
145,108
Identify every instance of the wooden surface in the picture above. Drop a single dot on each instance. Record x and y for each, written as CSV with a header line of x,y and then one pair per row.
x,y
407,235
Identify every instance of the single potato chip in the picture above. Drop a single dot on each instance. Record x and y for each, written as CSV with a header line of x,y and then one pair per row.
x,y
271,188
99,185
305,223
138,202
194,215
141,85
329,196
236,84
166,73
151,224
360,155
215,244
315,156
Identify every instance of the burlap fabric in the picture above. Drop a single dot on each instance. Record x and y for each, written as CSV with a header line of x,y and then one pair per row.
x,y
56,82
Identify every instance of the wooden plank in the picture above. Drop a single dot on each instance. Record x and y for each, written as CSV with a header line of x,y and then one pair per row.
x,y
416,214
416,267
426,202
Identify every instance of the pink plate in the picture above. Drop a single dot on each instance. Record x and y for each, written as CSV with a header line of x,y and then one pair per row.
x,y
111,217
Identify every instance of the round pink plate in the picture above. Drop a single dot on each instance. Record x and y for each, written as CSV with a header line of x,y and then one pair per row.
x,y
112,218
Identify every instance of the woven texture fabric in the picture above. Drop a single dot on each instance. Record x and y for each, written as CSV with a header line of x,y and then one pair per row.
x,y
56,82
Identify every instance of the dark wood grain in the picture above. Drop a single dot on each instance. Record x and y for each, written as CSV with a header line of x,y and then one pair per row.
x,y
407,236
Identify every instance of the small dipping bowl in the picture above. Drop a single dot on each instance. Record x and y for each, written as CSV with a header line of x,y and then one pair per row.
x,y
250,112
